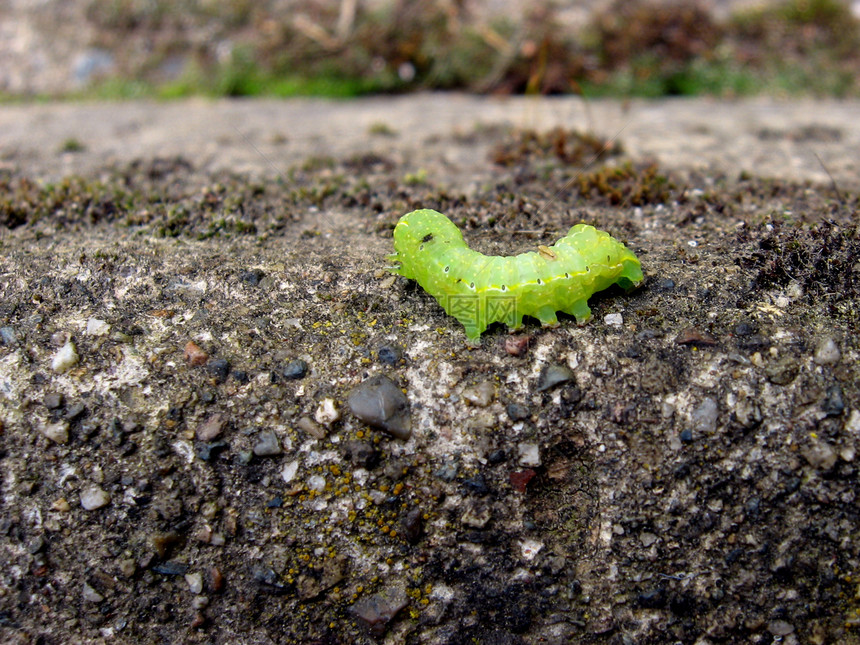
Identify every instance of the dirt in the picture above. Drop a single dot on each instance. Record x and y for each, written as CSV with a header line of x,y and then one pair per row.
x,y
183,318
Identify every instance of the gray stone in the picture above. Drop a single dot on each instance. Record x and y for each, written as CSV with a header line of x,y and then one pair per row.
x,y
381,404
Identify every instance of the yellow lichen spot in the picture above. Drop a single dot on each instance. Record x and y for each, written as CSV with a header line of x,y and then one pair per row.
x,y
425,601
814,435
393,534
397,488
385,528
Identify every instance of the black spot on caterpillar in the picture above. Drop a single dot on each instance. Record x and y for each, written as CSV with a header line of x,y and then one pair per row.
x,y
479,290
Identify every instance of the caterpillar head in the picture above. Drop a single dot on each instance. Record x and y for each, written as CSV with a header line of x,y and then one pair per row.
x,y
418,235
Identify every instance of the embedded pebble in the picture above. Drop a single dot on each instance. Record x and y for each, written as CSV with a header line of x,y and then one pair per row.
x,y
780,628
520,479
53,400
517,412
613,320
552,375
379,609
252,277
389,354
833,404
820,455
65,358
695,337
530,548
267,444
516,345
211,427
481,394
75,410
704,417
748,412
326,412
665,284
210,451
413,525
447,471
853,423
93,498
295,369
477,515
827,352
362,454
317,483
782,372
381,404
194,354
97,327
219,368
195,582
56,432
91,595
171,568
8,336
288,472
528,454
311,427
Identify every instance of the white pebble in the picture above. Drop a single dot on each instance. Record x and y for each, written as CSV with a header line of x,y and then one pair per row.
x,y
530,548
56,432
326,412
195,582
317,483
93,498
288,472
613,320
97,327
91,594
529,454
853,423
827,352
65,358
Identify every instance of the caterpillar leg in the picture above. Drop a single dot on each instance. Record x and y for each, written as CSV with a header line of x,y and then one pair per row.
x,y
547,316
473,332
581,310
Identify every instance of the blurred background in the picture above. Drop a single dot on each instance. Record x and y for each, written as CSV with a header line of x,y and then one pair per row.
x,y
343,48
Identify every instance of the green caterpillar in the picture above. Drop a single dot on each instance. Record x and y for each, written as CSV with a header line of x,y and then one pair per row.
x,y
479,290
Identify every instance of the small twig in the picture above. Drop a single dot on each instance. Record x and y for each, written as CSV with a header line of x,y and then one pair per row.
x,y
832,180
